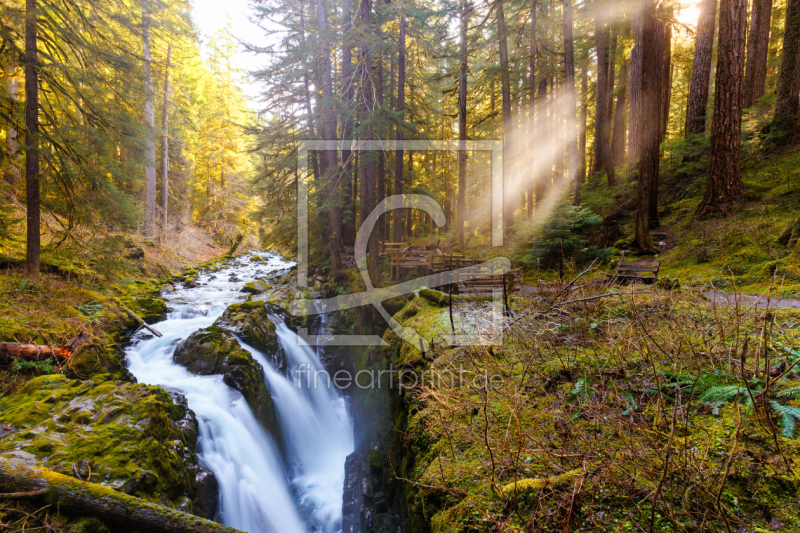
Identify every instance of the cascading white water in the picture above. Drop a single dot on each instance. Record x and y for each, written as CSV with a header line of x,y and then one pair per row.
x,y
258,493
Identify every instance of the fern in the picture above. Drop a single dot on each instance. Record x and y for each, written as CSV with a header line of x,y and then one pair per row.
x,y
726,393
788,393
789,416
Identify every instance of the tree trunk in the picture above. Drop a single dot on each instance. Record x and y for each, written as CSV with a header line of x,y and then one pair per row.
x,y
666,72
505,91
635,112
329,130
650,124
724,184
462,122
149,124
12,176
165,140
620,113
612,67
347,202
785,120
82,498
755,76
541,172
602,150
381,172
584,116
399,216
368,159
307,98
574,178
701,69
532,133
33,245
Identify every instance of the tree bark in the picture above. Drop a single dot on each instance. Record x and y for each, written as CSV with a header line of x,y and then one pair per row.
x,y
329,130
381,171
724,184
399,184
505,91
584,116
635,112
368,159
33,245
93,499
618,141
462,122
574,177
755,76
784,121
602,151
165,140
650,124
666,72
346,200
12,175
541,172
532,133
701,68
149,124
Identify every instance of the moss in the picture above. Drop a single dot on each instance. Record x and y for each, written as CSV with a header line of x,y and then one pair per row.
x,y
214,351
251,322
255,287
98,356
131,437
525,486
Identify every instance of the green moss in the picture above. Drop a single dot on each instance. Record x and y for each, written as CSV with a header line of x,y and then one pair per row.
x,y
132,437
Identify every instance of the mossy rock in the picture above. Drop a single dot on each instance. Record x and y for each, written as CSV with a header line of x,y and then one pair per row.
x,y
94,358
149,308
214,351
134,438
255,287
251,322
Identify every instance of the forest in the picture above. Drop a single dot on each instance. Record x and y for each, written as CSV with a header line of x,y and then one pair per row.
x,y
395,266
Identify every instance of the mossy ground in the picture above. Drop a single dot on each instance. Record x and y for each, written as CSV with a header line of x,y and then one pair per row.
x,y
603,415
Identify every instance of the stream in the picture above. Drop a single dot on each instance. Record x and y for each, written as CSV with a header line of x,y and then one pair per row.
x,y
259,491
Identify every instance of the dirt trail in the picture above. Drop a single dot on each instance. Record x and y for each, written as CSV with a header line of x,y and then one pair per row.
x,y
756,300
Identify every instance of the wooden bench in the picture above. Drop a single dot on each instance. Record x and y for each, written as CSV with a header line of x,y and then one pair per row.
x,y
488,283
635,272
389,247
406,261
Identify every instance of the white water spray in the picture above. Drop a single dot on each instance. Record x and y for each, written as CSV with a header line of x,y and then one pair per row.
x,y
258,493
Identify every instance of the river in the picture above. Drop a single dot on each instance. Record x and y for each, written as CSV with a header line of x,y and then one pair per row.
x,y
260,491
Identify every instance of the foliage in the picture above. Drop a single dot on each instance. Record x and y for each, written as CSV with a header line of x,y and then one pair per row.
x,y
564,236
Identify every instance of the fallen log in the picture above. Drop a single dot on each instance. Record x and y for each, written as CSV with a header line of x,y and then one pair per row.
x,y
11,351
18,480
142,323
236,242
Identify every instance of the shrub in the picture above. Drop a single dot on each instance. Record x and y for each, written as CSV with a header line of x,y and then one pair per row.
x,y
565,235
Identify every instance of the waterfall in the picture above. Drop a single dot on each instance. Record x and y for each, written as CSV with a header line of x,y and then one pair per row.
x,y
259,493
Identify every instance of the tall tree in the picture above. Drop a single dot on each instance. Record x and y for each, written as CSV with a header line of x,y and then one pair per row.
x,y
12,175
755,75
635,111
618,140
650,123
33,246
701,68
532,133
329,130
602,146
368,159
724,184
786,108
149,119
347,201
462,120
574,177
165,139
399,186
508,126
584,115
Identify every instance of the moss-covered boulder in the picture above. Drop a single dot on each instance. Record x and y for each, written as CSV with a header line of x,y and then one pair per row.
x,y
134,438
251,322
149,308
214,351
98,357
255,287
